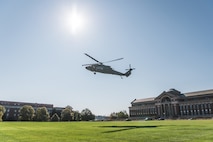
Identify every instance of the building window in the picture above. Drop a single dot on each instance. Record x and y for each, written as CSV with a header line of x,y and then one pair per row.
x,y
166,99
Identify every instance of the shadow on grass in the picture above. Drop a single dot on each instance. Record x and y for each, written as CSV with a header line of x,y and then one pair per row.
x,y
124,128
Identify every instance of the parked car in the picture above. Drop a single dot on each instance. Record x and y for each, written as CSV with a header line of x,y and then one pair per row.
x,y
148,118
160,118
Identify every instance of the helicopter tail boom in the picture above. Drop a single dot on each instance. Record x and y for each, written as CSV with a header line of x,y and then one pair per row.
x,y
128,73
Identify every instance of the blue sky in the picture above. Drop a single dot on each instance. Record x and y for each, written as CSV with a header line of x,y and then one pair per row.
x,y
168,42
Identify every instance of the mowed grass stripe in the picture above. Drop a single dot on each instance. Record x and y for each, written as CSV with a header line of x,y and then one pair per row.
x,y
126,131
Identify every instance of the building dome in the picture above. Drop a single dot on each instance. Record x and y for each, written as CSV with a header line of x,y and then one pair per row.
x,y
172,90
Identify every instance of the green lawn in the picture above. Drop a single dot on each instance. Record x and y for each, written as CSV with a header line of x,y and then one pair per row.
x,y
127,131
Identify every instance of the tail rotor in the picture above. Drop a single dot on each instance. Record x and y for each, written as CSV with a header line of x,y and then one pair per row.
x,y
128,73
130,68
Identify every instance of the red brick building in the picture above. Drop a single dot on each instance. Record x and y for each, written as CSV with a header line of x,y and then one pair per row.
x,y
12,109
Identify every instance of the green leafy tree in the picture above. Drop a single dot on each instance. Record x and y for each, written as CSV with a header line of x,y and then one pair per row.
x,y
2,111
42,114
122,115
87,115
113,116
119,115
67,114
76,116
26,113
55,117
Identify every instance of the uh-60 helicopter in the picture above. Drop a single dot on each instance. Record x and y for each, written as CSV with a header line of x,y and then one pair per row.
x,y
101,68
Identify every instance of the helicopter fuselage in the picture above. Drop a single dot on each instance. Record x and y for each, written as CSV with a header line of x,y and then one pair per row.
x,y
102,69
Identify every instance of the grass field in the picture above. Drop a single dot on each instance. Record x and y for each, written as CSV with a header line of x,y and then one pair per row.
x,y
126,131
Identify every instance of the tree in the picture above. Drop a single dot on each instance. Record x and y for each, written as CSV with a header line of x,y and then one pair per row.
x,y
67,114
26,113
2,111
87,115
119,115
42,114
113,116
55,117
122,115
76,116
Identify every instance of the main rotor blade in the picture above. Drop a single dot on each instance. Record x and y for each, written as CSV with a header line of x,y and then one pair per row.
x,y
87,64
92,58
114,60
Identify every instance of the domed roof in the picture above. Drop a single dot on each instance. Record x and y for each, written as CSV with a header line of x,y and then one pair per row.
x,y
172,90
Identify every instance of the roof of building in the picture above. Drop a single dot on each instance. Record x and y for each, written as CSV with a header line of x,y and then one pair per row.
x,y
197,93
13,103
190,94
144,100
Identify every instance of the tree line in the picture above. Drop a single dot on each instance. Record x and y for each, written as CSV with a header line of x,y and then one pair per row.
x,y
28,113
121,115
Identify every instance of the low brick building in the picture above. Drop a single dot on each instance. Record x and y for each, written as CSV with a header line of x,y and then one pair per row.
x,y
12,109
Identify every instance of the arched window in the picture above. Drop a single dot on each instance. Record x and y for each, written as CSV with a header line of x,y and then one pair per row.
x,y
166,99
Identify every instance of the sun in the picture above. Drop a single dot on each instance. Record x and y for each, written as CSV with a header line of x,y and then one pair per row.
x,y
75,21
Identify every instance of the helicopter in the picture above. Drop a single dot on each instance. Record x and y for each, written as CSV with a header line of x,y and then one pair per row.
x,y
101,68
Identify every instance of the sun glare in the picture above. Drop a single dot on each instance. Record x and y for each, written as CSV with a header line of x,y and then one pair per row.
x,y
74,20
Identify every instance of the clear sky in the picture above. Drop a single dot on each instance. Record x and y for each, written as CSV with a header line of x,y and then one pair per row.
x,y
42,46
